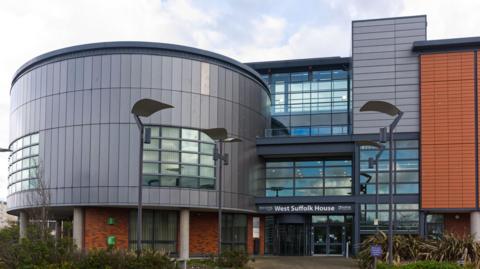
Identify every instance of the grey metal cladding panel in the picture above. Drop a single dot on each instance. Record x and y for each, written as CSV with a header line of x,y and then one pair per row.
x,y
212,199
166,115
373,22
156,72
174,196
87,72
133,155
146,78
87,107
373,69
384,48
372,83
406,67
104,152
194,197
46,153
184,196
93,196
113,161
68,156
409,39
49,80
196,73
115,105
96,106
235,87
123,155
103,195
373,62
203,198
213,80
186,109
412,19
406,81
221,118
375,75
125,107
115,71
71,75
43,81
164,196
136,71
96,72
125,70
106,69
56,78
373,55
60,166
407,94
176,74
195,111
204,111
378,96
156,118
85,173
221,82
78,95
404,53
42,113
105,105
373,29
123,195
48,113
94,155
177,104
166,72
79,73
63,78
228,85
408,33
77,156
84,195
407,60
406,74
186,75
368,36
410,26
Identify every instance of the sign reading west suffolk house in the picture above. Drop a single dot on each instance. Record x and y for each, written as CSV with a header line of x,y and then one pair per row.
x,y
305,208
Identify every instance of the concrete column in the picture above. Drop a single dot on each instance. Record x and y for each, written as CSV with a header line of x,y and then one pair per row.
x,y
23,223
58,229
184,235
475,225
78,227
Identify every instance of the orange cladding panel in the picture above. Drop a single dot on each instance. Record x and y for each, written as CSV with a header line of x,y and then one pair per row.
x,y
448,130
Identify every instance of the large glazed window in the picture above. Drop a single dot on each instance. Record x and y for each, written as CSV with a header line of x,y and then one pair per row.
x,y
406,169
159,230
23,164
234,232
406,218
179,157
308,178
313,103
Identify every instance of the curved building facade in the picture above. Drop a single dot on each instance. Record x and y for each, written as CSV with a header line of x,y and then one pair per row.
x,y
73,133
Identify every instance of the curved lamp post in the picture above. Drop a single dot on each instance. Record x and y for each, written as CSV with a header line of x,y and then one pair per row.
x,y
5,150
371,161
391,110
143,108
220,136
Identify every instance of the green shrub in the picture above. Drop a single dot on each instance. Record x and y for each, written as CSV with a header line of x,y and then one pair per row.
x,y
233,259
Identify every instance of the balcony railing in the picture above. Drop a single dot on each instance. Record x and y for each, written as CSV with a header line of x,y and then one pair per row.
x,y
308,131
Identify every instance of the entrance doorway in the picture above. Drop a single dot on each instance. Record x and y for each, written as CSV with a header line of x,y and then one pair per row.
x,y
330,234
291,239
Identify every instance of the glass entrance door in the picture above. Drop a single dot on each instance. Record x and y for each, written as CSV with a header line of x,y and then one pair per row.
x,y
328,239
291,239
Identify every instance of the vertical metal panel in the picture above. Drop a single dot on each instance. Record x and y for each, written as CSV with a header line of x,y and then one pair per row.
x,y
213,80
68,156
186,109
105,106
49,80
45,154
79,73
156,72
105,73
96,101
204,111
78,107
94,158
213,113
123,155
177,103
56,78
48,112
42,114
70,107
125,108
136,71
205,79
115,71
77,156
85,165
166,115
186,75
96,72
228,85
71,75
62,117
125,70
195,111
133,156
113,158
196,77
55,110
104,145
115,106
146,78
176,74
87,72
221,83
166,72
87,106
43,82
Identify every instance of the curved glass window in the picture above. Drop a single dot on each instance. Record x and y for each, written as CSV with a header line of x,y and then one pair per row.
x,y
178,157
23,164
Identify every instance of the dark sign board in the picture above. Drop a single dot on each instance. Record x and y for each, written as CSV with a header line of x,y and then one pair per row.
x,y
306,208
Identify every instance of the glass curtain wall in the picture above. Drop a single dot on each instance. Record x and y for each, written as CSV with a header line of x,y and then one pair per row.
x,y
234,232
23,166
159,230
406,218
308,178
406,169
313,103
179,157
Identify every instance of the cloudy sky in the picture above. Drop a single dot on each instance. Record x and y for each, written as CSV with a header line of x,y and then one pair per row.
x,y
249,30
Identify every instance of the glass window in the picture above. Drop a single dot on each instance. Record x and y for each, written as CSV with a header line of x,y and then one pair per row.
x,y
189,158
190,134
189,182
189,146
169,169
170,132
279,183
339,74
309,192
190,170
152,145
150,155
169,181
168,156
150,168
207,183
34,139
309,182
207,160
338,171
322,75
279,172
206,148
170,144
159,230
207,172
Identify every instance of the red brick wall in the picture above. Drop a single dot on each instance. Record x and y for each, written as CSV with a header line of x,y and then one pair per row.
x,y
460,226
250,235
203,233
96,228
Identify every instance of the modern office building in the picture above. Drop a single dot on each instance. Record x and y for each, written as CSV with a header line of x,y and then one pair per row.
x,y
299,182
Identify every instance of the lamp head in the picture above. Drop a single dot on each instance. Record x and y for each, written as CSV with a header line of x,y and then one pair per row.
x,y
382,107
146,107
216,133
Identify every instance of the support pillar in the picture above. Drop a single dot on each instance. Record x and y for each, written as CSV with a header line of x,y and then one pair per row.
x,y
78,227
184,236
58,229
475,225
23,223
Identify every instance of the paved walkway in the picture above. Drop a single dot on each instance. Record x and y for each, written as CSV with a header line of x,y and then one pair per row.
x,y
282,262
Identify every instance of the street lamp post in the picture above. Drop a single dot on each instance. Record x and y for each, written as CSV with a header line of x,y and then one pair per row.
x,y
380,148
143,108
391,110
220,136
